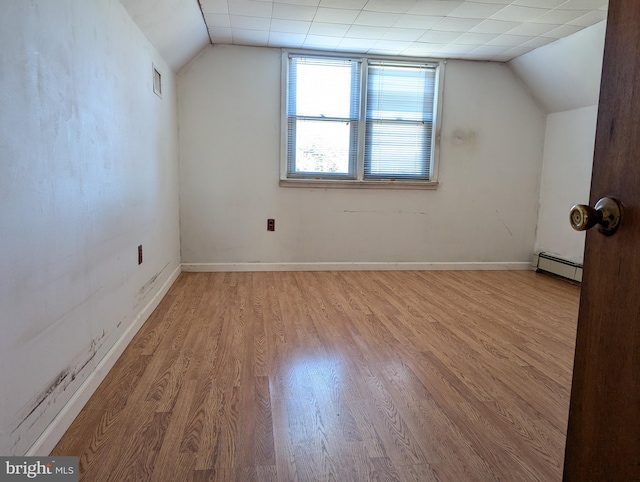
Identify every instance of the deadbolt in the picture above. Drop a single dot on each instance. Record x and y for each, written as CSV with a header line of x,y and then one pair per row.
x,y
606,213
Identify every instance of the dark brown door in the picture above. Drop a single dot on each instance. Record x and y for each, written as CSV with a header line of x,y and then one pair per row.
x,y
603,439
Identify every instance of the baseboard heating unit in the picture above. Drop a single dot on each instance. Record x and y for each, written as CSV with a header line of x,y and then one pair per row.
x,y
558,266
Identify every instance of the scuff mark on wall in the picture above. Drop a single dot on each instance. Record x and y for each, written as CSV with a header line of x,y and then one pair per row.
x,y
40,399
147,288
149,285
35,409
503,223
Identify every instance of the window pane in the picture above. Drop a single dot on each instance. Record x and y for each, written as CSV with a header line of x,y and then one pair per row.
x,y
322,147
399,119
396,150
323,88
400,93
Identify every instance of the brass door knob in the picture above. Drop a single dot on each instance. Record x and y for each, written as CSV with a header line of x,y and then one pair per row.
x,y
607,213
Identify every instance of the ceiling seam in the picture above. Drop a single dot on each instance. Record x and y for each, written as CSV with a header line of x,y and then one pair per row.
x,y
204,19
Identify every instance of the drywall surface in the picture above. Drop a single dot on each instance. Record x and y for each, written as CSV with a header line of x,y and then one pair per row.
x,y
175,27
485,208
566,178
565,75
89,171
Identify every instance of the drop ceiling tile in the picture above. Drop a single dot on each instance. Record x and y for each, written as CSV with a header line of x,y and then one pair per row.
x,y
365,32
217,20
215,6
406,34
321,42
518,51
250,8
475,38
281,39
434,7
293,12
454,49
437,37
221,35
515,13
312,3
559,16
494,26
531,29
538,42
328,29
383,52
450,24
490,50
376,19
389,45
509,40
397,6
539,3
353,44
584,4
422,49
346,4
497,2
563,31
336,15
250,37
289,26
417,21
475,10
589,19
250,23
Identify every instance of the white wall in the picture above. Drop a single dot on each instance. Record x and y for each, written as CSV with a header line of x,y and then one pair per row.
x,y
88,172
484,210
566,178
565,75
176,28
565,78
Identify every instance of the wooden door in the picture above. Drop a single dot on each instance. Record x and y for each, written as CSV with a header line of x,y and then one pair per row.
x,y
603,439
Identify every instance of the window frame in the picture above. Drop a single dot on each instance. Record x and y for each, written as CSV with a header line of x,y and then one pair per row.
x,y
359,181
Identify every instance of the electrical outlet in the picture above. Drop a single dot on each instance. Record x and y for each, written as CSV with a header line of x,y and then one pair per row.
x,y
140,254
271,224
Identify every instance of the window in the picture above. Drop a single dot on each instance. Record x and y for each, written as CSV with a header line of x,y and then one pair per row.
x,y
360,120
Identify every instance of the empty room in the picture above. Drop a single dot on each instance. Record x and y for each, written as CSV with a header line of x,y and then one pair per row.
x,y
320,239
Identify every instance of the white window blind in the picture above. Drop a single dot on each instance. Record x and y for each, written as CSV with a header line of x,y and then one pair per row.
x,y
399,121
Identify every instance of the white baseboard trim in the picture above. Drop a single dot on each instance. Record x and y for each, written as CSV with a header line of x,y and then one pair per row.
x,y
232,267
56,429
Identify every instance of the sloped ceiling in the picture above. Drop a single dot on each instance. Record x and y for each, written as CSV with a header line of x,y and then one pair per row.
x,y
498,30
565,75
174,27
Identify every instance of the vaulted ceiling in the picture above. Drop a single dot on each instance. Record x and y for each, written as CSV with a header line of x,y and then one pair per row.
x,y
498,30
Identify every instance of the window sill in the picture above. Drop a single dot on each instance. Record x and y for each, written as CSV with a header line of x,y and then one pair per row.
x,y
349,184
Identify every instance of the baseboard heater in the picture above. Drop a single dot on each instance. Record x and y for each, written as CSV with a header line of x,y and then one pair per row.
x,y
558,266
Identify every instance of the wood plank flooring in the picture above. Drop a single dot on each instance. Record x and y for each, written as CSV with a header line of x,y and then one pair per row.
x,y
346,376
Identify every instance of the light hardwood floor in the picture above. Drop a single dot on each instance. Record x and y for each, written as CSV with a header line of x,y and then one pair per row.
x,y
346,376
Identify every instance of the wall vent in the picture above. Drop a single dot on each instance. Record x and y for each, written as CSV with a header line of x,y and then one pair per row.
x,y
558,266
157,82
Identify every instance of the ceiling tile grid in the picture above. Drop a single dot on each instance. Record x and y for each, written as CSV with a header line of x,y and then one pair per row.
x,y
497,30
